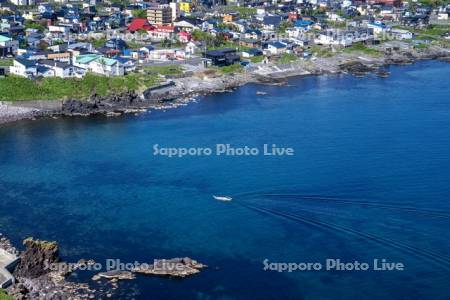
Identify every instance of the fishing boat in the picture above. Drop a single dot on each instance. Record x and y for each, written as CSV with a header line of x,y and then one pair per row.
x,y
261,93
222,198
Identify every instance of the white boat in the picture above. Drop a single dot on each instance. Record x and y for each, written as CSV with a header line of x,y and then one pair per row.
x,y
222,198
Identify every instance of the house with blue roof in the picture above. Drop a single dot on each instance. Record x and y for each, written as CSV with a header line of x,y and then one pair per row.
x,y
271,22
255,34
276,47
128,64
378,27
305,24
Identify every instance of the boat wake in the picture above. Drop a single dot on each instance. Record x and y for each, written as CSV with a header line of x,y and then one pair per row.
x,y
335,200
433,213
319,223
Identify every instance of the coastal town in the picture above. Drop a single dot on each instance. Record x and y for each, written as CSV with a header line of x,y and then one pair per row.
x,y
111,57
68,49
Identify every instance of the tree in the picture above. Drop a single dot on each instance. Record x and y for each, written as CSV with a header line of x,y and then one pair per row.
x,y
140,13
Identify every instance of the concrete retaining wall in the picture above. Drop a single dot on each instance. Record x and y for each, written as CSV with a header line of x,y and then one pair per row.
x,y
7,263
47,105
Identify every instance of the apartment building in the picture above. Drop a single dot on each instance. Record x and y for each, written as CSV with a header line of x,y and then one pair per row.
x,y
159,15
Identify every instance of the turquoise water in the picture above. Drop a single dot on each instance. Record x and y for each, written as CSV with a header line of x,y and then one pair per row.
x,y
369,180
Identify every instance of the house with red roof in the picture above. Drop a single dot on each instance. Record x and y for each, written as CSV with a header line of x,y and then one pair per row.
x,y
140,24
184,37
161,32
157,32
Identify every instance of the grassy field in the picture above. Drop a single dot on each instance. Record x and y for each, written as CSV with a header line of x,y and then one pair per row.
x,y
16,88
165,70
321,51
257,59
244,12
359,47
4,296
6,62
287,58
432,30
230,69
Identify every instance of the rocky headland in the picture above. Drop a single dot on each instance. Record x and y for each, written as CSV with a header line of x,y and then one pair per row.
x,y
37,278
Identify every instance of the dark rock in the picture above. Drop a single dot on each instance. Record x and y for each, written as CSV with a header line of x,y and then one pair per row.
x,y
356,68
103,104
19,292
36,257
176,267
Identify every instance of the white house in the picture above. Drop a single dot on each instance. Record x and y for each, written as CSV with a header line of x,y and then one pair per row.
x,y
276,47
107,66
56,68
378,27
343,37
442,16
23,68
99,64
401,34
191,48
23,2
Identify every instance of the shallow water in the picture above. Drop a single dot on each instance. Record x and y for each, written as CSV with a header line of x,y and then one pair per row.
x,y
369,180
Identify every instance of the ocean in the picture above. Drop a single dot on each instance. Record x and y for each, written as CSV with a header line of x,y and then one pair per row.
x,y
367,182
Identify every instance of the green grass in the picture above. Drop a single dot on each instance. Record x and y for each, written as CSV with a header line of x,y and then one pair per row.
x,y
432,30
165,70
6,62
335,24
135,44
434,3
359,47
16,88
98,42
230,69
421,46
435,30
257,59
4,296
321,51
287,58
229,44
244,12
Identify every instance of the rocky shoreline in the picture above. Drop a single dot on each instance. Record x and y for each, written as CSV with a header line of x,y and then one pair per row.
x,y
36,276
180,91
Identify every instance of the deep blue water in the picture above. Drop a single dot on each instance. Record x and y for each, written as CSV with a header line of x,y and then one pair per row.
x,y
369,179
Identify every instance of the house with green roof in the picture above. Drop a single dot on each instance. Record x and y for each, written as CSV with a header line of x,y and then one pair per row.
x,y
99,64
8,46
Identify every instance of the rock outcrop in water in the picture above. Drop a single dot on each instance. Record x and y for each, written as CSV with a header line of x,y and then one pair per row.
x,y
175,267
35,280
114,275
